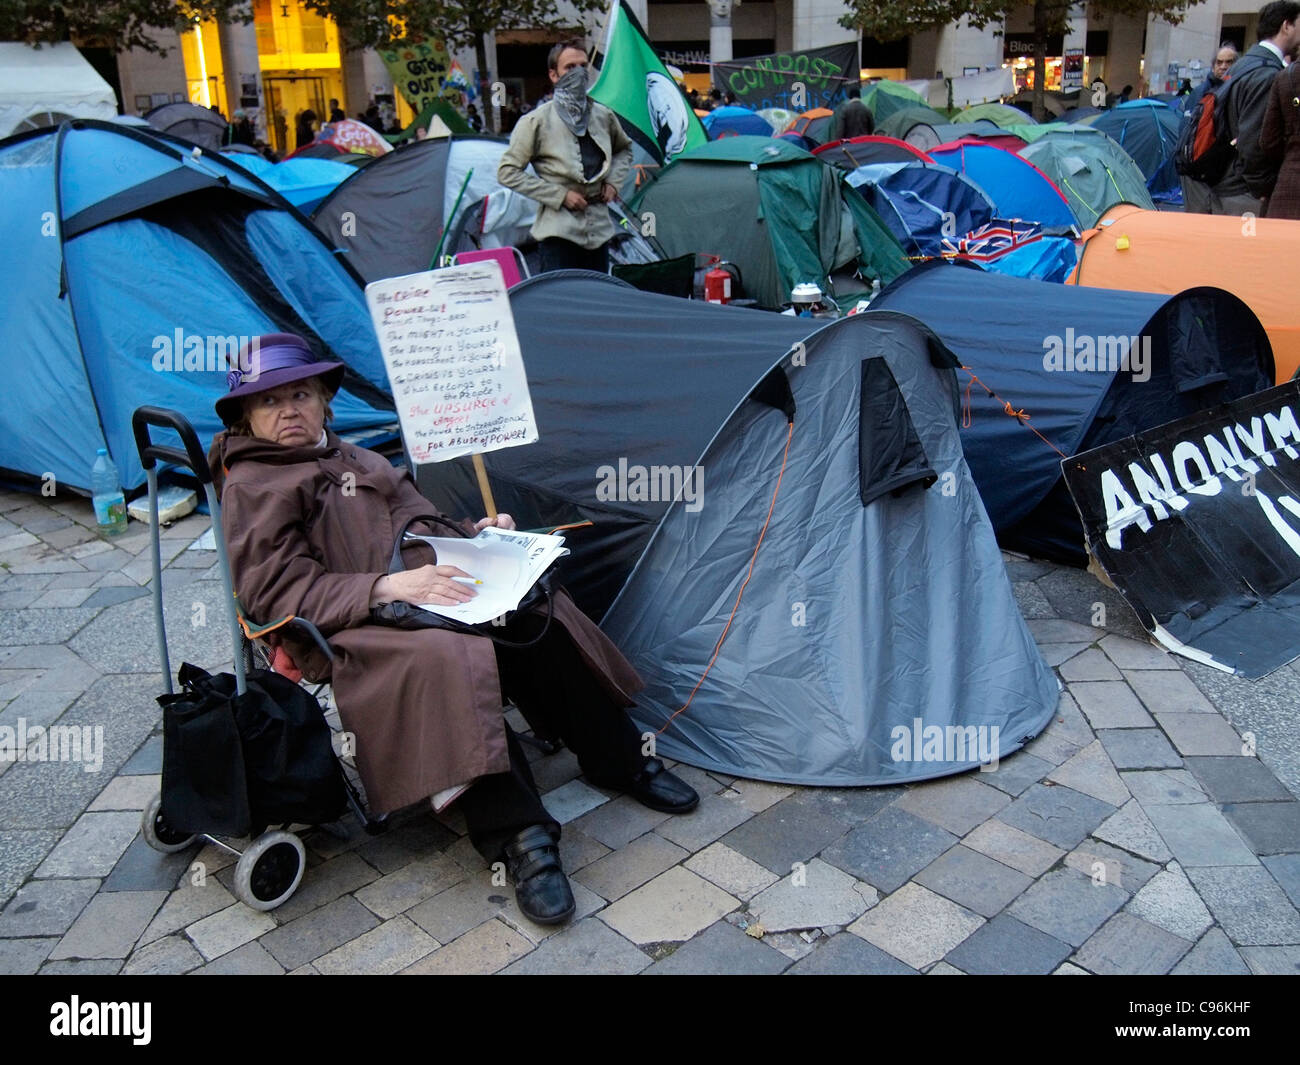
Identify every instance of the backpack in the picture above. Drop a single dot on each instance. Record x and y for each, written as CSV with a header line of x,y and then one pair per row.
x,y
1207,146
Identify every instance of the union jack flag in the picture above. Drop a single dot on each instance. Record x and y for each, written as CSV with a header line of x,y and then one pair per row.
x,y
992,240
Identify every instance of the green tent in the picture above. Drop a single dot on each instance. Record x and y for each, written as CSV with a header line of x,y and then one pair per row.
x,y
1090,168
887,98
1001,115
772,209
897,124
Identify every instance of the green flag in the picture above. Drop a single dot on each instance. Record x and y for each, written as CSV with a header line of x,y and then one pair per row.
x,y
636,86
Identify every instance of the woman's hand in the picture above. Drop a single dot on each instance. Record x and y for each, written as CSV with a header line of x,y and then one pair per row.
x,y
428,584
501,521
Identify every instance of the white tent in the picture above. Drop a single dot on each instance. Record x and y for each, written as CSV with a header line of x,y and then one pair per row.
x,y
43,86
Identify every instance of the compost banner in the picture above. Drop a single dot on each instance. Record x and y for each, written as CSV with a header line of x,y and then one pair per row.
x,y
1198,524
797,81
423,71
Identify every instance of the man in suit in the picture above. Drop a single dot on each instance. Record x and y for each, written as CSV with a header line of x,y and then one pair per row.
x,y
1246,186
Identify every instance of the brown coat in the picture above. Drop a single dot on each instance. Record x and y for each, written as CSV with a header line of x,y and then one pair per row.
x,y
1279,138
309,532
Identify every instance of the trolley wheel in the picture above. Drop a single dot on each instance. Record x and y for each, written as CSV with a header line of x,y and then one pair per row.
x,y
270,870
160,835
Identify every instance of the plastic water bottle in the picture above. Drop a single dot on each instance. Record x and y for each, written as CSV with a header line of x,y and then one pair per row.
x,y
106,494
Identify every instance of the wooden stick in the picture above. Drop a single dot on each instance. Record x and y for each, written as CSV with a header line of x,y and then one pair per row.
x,y
486,489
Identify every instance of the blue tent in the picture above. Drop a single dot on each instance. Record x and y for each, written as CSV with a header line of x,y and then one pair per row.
x,y
1148,130
735,122
303,181
135,267
1019,188
921,203
1201,347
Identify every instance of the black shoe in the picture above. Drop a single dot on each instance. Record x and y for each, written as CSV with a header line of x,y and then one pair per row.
x,y
541,888
657,788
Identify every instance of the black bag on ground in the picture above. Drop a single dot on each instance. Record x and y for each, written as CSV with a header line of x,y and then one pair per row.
x,y
233,764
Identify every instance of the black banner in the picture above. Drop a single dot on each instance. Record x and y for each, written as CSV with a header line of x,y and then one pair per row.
x,y
1198,524
797,81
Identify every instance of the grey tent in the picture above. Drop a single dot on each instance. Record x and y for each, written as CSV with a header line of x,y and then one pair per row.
x,y
875,611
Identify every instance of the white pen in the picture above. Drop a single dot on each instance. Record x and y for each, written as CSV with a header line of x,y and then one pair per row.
x,y
467,580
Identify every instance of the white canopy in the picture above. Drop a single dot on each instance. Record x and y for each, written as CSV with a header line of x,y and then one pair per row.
x,y
42,86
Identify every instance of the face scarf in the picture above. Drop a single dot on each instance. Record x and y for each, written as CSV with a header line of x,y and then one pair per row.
x,y
571,100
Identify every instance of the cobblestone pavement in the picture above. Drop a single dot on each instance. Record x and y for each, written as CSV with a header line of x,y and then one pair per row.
x,y
1136,834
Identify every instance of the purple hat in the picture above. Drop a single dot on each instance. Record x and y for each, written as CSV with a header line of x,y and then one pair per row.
x,y
269,361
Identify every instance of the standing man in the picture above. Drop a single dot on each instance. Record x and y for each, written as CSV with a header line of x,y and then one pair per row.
x,y
1198,197
580,156
1246,186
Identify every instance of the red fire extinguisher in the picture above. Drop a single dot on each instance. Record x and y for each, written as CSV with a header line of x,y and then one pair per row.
x,y
717,285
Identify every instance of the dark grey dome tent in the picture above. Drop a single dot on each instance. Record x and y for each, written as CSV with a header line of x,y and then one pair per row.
x,y
686,432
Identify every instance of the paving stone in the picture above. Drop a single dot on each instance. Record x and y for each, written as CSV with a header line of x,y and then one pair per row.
x,y
141,868
127,793
1091,664
1200,835
1267,827
1233,778
305,939
479,952
791,945
942,968
1130,829
1170,902
617,823
714,817
1164,787
21,851
1166,691
973,880
1068,969
92,846
46,907
783,834
1032,602
1248,905
588,947
619,872
1272,961
757,795
721,950
147,760
1015,773
577,850
1060,815
187,905
412,884
889,849
1064,735
1214,955
1286,871
848,954
1139,748
1056,653
1201,734
553,770
1010,846
252,959
1068,906
111,596
79,967
1134,654
393,946
673,906
916,926
23,957
1092,773
323,884
957,804
731,871
1127,945
1095,859
420,838
1053,630
452,913
109,925
1110,704
849,805
1005,946
227,929
169,956
813,897
570,801
43,626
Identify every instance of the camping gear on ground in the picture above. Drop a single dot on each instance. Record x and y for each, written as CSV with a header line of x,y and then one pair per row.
x,y
727,450
717,285
43,86
1167,251
1052,370
810,128
1001,115
169,260
1091,170
240,751
1016,186
736,122
897,124
190,122
808,301
788,218
927,135
1149,131
106,495
886,98
863,151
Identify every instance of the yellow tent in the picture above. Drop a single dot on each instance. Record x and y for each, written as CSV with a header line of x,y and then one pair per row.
x,y
1166,251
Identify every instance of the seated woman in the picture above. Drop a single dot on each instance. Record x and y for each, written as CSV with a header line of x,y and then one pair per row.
x,y
310,523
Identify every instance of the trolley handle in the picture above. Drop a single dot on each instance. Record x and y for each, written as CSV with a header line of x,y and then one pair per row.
x,y
192,457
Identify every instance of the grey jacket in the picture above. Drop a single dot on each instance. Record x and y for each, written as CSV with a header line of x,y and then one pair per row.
x,y
542,138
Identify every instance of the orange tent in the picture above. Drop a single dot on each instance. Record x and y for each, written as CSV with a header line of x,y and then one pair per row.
x,y
1167,251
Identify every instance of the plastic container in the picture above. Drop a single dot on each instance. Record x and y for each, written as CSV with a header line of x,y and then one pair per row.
x,y
106,494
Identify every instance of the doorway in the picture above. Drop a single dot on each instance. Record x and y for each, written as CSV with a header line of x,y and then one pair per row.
x,y
287,96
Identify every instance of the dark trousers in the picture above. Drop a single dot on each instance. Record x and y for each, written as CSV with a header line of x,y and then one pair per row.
x,y
556,693
560,254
